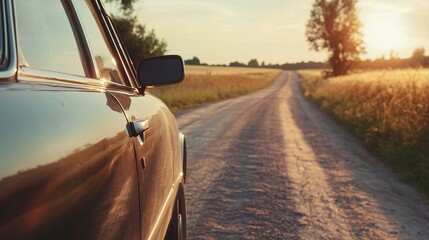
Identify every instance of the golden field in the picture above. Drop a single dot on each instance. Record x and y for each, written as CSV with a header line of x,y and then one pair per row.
x,y
388,110
207,84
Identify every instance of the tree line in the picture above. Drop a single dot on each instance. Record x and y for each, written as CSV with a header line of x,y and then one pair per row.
x,y
416,60
253,63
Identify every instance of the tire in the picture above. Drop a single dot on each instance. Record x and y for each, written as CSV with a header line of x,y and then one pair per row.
x,y
177,229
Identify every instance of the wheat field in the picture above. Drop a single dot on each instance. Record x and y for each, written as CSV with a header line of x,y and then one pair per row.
x,y
388,110
204,84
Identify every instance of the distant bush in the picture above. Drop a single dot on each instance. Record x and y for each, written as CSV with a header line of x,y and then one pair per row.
x,y
193,61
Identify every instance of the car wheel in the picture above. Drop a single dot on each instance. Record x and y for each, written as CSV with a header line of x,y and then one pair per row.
x,y
177,229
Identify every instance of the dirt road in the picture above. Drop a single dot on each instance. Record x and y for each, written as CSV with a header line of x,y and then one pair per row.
x,y
270,165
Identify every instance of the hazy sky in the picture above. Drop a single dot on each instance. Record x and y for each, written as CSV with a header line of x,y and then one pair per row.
x,y
222,31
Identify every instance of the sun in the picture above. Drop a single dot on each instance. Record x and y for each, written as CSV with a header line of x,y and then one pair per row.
x,y
383,32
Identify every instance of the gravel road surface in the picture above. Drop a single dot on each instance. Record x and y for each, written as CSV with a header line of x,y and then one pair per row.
x,y
270,165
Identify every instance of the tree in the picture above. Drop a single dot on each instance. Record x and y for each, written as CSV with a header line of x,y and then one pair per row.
x,y
193,61
418,58
126,5
253,63
237,64
335,26
138,40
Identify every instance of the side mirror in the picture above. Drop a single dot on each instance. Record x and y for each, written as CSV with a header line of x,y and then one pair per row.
x,y
162,70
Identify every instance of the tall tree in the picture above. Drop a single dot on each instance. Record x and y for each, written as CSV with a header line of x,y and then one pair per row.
x,y
139,41
334,26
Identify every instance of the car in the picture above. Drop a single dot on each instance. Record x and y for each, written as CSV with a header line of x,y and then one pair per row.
x,y
85,151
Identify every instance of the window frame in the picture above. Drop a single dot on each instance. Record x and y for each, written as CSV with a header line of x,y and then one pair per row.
x,y
8,71
85,38
3,46
49,77
115,42
84,50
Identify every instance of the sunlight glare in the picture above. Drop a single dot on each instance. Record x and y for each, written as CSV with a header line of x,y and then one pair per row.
x,y
383,32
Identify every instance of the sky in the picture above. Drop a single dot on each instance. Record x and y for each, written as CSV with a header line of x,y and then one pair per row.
x,y
273,31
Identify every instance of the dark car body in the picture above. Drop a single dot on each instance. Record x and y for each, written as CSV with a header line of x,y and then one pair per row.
x,y
85,152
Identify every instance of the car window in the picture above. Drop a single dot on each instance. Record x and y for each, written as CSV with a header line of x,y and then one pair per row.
x,y
106,65
45,37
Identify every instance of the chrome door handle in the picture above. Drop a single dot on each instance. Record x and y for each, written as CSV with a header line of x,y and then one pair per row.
x,y
137,128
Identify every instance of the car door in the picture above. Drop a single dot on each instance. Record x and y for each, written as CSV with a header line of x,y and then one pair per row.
x,y
152,149
67,164
154,166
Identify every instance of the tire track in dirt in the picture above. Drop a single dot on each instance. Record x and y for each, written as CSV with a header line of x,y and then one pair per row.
x,y
269,165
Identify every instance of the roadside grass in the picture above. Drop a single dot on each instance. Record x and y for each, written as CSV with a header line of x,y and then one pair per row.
x,y
204,84
388,110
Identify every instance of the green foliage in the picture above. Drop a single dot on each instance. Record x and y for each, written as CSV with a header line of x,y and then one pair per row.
x,y
335,26
126,5
139,42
